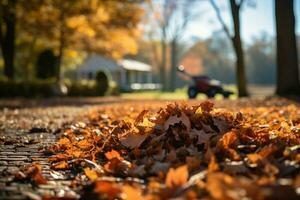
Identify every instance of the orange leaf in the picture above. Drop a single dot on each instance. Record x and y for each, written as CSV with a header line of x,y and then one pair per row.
x,y
91,174
64,141
58,157
33,172
177,177
108,188
84,144
213,165
132,192
60,165
113,154
140,117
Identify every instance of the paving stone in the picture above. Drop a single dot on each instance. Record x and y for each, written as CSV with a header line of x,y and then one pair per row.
x,y
13,197
3,163
21,153
7,153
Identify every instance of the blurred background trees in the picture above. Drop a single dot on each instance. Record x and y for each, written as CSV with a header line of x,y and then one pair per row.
x,y
67,27
62,33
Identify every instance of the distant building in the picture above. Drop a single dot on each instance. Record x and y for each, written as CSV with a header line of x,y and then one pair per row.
x,y
128,74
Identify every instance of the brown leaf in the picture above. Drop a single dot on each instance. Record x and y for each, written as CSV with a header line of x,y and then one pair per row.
x,y
140,117
172,120
32,172
132,140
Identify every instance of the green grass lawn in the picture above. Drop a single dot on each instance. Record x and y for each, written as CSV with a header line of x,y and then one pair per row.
x,y
179,94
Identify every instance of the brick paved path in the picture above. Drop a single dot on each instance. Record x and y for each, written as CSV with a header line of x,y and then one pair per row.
x,y
22,133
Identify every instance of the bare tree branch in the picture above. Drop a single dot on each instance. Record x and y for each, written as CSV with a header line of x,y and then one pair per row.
x,y
240,4
218,13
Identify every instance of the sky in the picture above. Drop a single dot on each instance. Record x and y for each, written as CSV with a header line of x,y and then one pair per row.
x,y
255,20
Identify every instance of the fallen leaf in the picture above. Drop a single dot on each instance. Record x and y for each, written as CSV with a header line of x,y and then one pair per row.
x,y
132,193
177,177
113,154
133,140
107,190
60,165
172,120
91,174
32,172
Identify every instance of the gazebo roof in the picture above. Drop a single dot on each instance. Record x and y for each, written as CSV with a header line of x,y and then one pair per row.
x,y
134,65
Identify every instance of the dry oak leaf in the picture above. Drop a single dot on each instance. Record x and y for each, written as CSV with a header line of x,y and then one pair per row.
x,y
60,165
177,177
58,157
91,174
131,192
193,162
213,165
221,186
107,189
132,140
64,141
140,117
206,106
228,142
33,172
202,137
84,144
173,119
113,154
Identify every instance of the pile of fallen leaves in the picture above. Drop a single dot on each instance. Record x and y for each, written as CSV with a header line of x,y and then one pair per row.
x,y
182,151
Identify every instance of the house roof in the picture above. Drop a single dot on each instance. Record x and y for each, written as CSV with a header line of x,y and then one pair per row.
x,y
129,64
95,62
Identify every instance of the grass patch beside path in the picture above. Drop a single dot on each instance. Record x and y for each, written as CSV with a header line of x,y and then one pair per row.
x,y
179,94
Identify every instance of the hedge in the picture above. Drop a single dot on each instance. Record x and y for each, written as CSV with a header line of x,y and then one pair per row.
x,y
46,88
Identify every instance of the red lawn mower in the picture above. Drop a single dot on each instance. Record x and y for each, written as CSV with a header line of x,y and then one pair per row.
x,y
204,84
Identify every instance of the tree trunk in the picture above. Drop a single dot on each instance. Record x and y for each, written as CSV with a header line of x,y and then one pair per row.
x,y
237,44
174,63
7,39
61,45
287,61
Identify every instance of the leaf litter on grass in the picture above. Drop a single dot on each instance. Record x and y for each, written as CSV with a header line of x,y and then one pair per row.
x,y
184,152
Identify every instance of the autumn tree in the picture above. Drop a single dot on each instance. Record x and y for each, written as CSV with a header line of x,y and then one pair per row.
x,y
8,35
235,37
172,19
106,27
182,16
287,63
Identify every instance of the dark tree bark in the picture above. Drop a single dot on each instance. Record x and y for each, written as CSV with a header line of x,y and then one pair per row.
x,y
7,37
237,44
287,61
